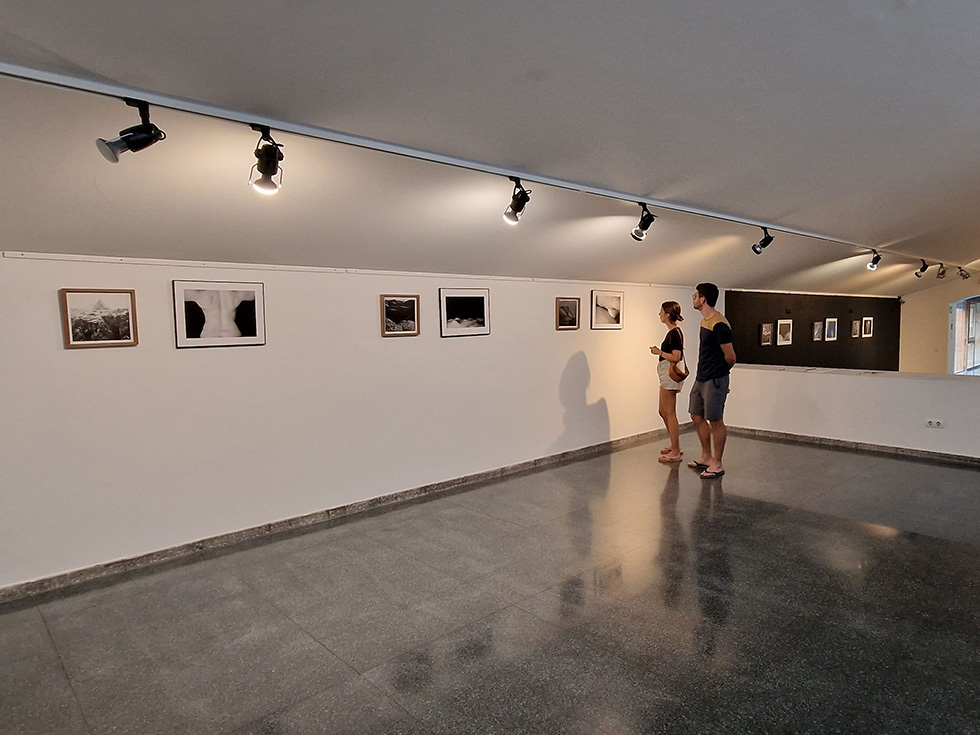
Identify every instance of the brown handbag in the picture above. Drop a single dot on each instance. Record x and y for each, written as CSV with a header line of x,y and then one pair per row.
x,y
674,372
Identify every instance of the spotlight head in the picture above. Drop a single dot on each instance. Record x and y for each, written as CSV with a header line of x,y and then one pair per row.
x,y
646,219
519,200
923,268
941,273
875,259
962,273
763,243
132,139
267,158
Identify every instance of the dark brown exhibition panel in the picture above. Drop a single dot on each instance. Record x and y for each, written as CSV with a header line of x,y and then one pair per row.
x,y
747,311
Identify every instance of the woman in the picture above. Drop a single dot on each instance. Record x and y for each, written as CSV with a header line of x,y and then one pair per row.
x,y
671,351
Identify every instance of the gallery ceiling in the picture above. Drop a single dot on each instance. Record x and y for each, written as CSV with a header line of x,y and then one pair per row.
x,y
857,122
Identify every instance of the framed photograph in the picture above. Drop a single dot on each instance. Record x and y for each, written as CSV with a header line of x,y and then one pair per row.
x,y
830,329
465,311
856,328
818,331
105,318
219,313
566,312
399,315
784,332
765,331
607,309
867,326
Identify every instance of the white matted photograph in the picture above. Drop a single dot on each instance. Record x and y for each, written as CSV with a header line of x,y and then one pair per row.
x,y
98,318
465,311
399,315
867,326
830,329
607,309
219,313
784,332
566,312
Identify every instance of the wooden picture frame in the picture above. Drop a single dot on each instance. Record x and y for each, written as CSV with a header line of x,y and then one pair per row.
x,y
98,317
607,309
867,326
399,315
567,310
830,329
464,312
219,314
784,332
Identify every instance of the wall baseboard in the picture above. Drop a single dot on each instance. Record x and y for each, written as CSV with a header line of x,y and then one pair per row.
x,y
37,591
885,451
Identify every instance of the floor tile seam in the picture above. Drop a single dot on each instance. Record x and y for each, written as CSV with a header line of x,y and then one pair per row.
x,y
316,640
64,670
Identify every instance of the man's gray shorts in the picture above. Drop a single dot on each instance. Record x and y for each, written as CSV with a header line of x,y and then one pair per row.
x,y
708,398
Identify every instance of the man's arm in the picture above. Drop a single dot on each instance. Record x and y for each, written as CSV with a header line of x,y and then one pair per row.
x,y
729,351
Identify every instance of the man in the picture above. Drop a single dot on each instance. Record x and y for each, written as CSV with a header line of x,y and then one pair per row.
x,y
715,359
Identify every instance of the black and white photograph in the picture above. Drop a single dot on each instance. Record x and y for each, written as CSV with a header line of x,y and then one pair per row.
x,y
867,326
818,331
219,313
399,315
566,312
465,311
607,309
784,332
856,328
105,318
765,332
830,329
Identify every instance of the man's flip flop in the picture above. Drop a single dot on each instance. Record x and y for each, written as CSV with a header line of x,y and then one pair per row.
x,y
697,465
712,475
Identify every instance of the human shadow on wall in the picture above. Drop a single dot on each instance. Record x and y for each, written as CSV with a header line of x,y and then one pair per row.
x,y
586,425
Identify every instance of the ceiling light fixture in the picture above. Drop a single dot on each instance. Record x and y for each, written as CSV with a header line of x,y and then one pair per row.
x,y
519,200
962,273
941,273
922,269
267,159
763,243
132,139
646,219
875,259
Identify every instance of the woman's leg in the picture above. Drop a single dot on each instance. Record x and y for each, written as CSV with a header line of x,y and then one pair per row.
x,y
668,412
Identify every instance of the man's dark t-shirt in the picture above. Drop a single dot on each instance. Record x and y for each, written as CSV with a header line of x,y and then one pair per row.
x,y
714,333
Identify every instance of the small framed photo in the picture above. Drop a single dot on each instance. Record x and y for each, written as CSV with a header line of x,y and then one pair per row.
x,y
867,326
818,331
784,332
607,309
566,312
856,328
465,311
830,329
399,315
105,318
765,332
219,313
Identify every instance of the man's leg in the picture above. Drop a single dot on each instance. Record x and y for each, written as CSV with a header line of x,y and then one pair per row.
x,y
718,433
704,435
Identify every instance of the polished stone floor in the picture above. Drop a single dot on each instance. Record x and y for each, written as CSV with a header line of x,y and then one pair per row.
x,y
810,590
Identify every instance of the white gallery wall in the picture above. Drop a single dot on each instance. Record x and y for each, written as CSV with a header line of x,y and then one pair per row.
x,y
926,328
110,453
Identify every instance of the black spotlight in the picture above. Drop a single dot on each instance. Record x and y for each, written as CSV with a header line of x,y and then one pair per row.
x,y
941,273
922,269
267,159
763,243
646,219
962,273
132,139
875,259
513,213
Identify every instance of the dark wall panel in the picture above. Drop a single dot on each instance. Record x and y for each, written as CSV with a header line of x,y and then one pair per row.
x,y
747,311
